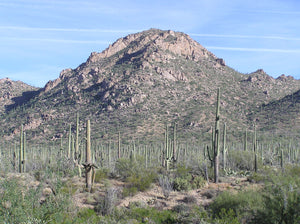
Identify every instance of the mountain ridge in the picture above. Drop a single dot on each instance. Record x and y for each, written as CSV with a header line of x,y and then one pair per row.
x,y
143,81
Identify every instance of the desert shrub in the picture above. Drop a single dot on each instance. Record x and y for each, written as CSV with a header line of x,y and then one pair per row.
x,y
188,182
189,199
226,217
137,177
240,205
107,204
183,180
21,205
166,185
182,183
240,160
281,197
101,174
151,215
198,182
256,177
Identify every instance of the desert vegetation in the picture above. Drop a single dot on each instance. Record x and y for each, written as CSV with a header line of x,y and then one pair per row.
x,y
81,179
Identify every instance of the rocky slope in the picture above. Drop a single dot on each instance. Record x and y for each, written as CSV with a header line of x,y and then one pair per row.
x,y
13,93
143,81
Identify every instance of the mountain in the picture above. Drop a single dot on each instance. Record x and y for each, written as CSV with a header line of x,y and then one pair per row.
x,y
14,93
283,113
140,83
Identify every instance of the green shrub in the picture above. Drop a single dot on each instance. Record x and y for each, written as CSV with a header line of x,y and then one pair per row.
x,y
281,197
101,174
137,177
20,205
151,215
182,184
241,204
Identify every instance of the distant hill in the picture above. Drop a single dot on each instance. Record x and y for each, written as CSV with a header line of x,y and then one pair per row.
x,y
148,79
14,93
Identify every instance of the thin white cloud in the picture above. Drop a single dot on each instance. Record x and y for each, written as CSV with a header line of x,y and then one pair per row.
x,y
254,49
244,36
58,40
25,28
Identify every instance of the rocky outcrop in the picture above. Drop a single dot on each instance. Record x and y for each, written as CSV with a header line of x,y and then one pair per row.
x,y
11,90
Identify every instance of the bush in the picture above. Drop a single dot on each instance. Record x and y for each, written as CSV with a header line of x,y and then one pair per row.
x,y
241,204
281,198
182,184
184,181
137,177
107,204
21,205
101,174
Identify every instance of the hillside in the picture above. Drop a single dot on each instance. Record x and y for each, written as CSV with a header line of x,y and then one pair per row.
x,y
14,93
140,83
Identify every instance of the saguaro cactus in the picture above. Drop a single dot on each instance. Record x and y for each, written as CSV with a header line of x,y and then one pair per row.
x,y
22,151
217,139
77,153
245,141
255,149
69,141
174,143
119,145
224,147
88,164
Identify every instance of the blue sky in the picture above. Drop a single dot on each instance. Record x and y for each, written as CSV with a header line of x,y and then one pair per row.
x,y
39,38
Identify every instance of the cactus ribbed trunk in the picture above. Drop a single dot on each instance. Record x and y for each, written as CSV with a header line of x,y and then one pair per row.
x,y
224,147
24,153
245,141
174,143
217,140
255,149
70,141
21,151
88,157
119,145
77,138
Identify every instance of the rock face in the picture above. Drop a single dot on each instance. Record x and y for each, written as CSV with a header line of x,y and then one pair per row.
x,y
12,92
140,83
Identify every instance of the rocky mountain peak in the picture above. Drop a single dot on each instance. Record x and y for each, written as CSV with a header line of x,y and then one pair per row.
x,y
175,42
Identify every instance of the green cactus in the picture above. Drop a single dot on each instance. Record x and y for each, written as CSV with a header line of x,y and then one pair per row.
x,y
21,151
245,141
224,147
119,145
174,144
88,168
255,149
281,159
70,141
24,152
217,139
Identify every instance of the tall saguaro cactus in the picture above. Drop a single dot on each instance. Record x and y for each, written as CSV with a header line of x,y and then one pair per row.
x,y
255,149
77,153
217,139
224,147
174,143
22,151
88,168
